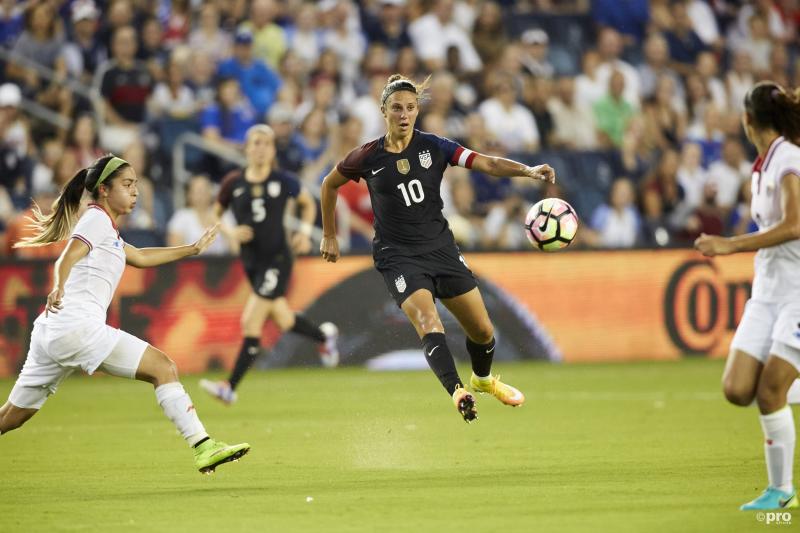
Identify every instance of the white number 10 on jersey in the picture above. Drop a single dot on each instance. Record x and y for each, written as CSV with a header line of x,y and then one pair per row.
x,y
413,192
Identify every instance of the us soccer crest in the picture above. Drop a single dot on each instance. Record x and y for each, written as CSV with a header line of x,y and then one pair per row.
x,y
403,166
425,159
400,283
257,190
274,189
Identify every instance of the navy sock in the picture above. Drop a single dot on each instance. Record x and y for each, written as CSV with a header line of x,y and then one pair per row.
x,y
481,356
441,361
303,326
247,355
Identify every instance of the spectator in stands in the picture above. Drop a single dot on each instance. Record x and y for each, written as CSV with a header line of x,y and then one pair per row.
x,y
489,33
535,94
436,31
288,151
226,121
691,175
120,13
684,44
573,123
153,52
208,37
389,27
145,225
534,57
342,35
177,23
707,68
83,141
697,99
312,136
41,44
740,220
304,37
739,79
367,108
257,81
616,224
189,223
655,65
322,96
708,135
729,173
125,87
612,113
758,43
609,46
706,218
50,152
85,52
442,100
704,22
407,63
65,169
768,12
173,98
464,221
15,176
588,87
201,78
14,128
664,201
269,39
12,21
511,123
664,119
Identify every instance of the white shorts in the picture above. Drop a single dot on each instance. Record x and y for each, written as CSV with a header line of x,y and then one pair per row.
x,y
769,328
55,354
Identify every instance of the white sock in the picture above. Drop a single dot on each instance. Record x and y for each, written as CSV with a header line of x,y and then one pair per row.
x,y
779,435
179,408
793,396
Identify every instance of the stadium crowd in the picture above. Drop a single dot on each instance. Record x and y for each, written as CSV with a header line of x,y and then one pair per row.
x,y
636,103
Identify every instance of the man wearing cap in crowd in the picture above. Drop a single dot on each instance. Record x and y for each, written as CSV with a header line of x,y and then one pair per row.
x,y
84,52
13,131
258,82
534,57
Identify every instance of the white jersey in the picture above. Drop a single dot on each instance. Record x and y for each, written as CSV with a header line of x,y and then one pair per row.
x,y
94,279
777,268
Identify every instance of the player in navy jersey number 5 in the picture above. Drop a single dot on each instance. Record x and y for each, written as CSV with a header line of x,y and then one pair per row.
x,y
258,196
414,248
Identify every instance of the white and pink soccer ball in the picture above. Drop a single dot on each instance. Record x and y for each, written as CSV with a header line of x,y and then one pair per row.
x,y
551,224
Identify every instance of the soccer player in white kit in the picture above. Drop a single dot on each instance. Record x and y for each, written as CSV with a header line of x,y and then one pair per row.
x,y
764,358
72,332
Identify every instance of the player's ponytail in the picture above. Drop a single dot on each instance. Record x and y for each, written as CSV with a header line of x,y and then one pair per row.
x,y
58,224
769,105
398,82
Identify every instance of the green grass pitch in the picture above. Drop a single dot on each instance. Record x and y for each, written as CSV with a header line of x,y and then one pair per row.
x,y
607,447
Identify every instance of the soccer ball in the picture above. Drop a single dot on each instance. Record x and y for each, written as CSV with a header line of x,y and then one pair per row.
x,y
551,224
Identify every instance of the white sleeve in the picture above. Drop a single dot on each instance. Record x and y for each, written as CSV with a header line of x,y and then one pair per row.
x,y
92,228
787,162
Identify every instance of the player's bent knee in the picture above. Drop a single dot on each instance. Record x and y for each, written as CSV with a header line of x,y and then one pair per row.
x,y
482,334
769,396
738,395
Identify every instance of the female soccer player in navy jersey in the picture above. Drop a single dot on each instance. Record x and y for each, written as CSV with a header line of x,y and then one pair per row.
x,y
72,332
764,359
414,248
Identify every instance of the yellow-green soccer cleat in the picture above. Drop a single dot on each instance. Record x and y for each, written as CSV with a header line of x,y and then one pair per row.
x,y
502,391
210,454
772,499
465,403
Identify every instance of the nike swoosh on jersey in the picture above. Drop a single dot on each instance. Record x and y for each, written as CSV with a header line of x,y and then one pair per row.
x,y
376,171
432,350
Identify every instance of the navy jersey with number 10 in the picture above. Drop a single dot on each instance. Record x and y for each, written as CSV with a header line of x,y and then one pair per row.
x,y
405,190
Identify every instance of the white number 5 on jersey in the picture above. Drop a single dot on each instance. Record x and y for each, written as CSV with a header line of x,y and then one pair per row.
x,y
259,211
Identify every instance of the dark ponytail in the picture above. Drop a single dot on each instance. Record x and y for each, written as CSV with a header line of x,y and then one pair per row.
x,y
769,105
58,224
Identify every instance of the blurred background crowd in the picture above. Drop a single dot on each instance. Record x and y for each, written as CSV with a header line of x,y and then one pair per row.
x,y
637,104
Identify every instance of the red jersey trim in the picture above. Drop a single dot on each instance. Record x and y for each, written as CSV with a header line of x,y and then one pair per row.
x,y
103,209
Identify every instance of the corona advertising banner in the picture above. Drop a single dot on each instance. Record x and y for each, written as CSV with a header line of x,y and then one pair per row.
x,y
571,307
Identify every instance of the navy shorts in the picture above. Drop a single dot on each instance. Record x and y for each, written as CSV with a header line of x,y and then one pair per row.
x,y
270,279
442,271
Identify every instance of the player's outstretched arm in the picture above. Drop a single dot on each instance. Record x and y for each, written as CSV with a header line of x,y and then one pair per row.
x,y
787,229
149,257
502,167
301,240
329,247
75,251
